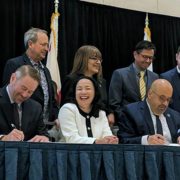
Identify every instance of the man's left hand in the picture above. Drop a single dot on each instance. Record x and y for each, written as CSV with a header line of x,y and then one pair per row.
x,y
39,138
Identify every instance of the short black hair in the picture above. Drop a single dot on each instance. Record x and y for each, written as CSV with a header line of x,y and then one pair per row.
x,y
140,46
96,103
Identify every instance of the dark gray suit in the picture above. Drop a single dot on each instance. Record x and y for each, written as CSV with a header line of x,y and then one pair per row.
x,y
174,78
38,95
32,120
136,121
124,88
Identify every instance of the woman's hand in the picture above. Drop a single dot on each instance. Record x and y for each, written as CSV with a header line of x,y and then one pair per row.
x,y
107,140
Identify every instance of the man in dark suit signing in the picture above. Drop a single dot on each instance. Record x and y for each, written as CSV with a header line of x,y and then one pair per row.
x,y
150,121
36,44
130,84
20,117
173,76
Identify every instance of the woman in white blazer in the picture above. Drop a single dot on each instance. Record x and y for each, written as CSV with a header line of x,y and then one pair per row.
x,y
83,120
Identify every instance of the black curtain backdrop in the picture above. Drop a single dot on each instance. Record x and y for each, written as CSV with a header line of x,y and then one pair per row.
x,y
114,31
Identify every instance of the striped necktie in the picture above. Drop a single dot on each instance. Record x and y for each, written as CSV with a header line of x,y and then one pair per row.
x,y
142,85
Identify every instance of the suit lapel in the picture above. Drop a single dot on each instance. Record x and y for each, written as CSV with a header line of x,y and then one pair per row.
x,y
176,80
149,80
171,124
133,80
26,115
27,60
7,108
147,117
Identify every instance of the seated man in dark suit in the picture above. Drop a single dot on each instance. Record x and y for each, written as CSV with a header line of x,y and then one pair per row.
x,y
173,76
20,117
151,121
129,84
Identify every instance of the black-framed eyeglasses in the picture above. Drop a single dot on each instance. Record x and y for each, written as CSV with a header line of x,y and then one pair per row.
x,y
151,58
96,59
163,98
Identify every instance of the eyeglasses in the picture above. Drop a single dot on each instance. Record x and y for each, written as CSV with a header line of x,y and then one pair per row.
x,y
163,98
147,57
96,59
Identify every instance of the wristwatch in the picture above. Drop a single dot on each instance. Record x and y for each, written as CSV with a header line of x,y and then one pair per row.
x,y
1,136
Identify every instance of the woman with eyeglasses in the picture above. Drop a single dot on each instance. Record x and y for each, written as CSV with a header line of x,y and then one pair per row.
x,y
83,119
87,62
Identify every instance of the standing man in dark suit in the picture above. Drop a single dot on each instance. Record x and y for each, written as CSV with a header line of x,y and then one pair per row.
x,y
125,86
173,76
151,121
21,117
36,44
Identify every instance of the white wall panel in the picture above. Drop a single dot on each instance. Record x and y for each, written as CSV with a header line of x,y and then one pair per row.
x,y
166,7
143,5
169,7
95,1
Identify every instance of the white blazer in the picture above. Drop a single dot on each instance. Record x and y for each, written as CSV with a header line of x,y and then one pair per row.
x,y
73,125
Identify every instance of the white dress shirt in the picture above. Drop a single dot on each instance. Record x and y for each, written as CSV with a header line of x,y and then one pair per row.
x,y
165,128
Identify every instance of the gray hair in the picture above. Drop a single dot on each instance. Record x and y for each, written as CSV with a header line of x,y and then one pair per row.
x,y
27,70
31,34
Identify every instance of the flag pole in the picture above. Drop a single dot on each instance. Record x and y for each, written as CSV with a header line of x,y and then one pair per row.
x,y
147,32
147,20
147,35
52,60
56,2
56,6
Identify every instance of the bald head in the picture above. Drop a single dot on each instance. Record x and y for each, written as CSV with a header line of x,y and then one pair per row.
x,y
159,96
162,86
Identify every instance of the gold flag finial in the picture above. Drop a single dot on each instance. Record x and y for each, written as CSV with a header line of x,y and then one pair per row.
x,y
147,20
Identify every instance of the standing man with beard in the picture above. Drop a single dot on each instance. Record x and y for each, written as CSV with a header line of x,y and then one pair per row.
x,y
151,121
130,84
36,44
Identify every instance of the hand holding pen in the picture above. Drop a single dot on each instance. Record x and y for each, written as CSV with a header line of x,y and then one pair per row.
x,y
14,135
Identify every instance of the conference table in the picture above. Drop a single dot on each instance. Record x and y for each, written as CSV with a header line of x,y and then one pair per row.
x,y
56,161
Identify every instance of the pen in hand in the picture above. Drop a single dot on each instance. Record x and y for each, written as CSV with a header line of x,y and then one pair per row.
x,y
13,126
17,131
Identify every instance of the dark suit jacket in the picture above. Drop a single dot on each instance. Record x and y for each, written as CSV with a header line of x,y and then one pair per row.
x,y
13,64
174,78
67,88
136,121
124,88
32,120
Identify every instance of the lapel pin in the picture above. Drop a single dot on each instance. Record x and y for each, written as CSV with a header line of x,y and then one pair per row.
x,y
168,115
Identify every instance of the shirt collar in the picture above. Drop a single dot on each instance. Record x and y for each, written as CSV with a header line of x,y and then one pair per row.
x,y
152,114
11,100
35,63
137,70
7,89
178,70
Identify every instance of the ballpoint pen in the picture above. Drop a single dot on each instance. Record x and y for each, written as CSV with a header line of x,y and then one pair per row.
x,y
14,127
